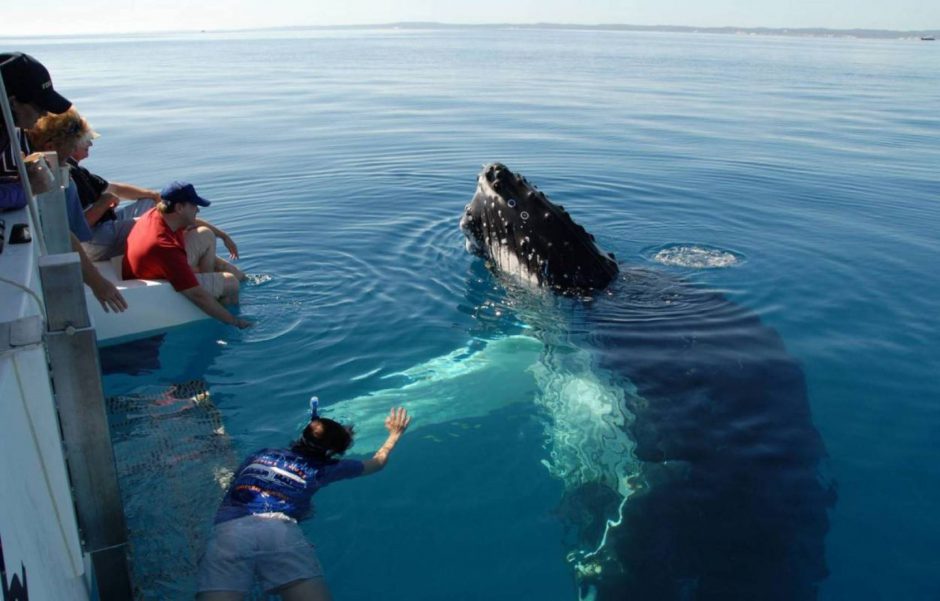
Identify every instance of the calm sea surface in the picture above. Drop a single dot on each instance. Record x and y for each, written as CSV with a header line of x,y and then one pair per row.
x,y
797,176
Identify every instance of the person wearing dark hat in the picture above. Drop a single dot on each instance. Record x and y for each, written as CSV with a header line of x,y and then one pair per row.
x,y
27,80
31,95
165,244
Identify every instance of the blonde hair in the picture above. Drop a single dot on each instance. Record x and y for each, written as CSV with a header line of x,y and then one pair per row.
x,y
62,133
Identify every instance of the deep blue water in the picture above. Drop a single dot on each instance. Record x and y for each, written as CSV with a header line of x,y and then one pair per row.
x,y
341,160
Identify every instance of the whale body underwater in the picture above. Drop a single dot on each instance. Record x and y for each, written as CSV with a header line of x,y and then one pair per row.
x,y
724,497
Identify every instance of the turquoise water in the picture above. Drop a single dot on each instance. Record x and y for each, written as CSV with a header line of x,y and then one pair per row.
x,y
341,161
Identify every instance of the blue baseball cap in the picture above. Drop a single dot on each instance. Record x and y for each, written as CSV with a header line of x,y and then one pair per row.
x,y
182,192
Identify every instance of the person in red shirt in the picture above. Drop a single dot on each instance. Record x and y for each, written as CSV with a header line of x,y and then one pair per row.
x,y
157,250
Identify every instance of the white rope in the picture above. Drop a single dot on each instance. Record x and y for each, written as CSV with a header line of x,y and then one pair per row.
x,y
26,289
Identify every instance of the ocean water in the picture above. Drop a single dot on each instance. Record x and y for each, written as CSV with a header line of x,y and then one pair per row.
x,y
798,177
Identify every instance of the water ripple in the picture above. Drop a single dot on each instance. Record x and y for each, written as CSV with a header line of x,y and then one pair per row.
x,y
340,162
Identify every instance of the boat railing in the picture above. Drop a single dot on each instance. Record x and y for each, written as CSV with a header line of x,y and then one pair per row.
x,y
70,343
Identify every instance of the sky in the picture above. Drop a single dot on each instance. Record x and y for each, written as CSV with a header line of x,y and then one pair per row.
x,y
37,17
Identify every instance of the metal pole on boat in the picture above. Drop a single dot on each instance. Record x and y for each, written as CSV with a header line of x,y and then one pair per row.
x,y
86,436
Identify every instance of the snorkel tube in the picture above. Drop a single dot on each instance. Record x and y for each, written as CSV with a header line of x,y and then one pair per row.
x,y
314,408
332,439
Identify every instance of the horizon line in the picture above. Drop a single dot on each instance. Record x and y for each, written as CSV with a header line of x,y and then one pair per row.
x,y
528,25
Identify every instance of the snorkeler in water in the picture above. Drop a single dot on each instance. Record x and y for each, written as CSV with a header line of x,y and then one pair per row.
x,y
256,530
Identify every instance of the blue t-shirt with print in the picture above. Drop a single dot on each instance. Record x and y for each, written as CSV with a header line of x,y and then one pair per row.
x,y
280,480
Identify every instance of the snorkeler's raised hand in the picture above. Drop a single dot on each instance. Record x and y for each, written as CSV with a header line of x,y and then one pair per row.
x,y
397,421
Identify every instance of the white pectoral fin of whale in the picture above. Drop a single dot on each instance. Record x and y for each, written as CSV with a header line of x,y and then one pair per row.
x,y
460,385
586,423
586,434
588,429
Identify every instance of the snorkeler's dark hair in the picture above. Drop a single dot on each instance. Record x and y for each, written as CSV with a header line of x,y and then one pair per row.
x,y
334,440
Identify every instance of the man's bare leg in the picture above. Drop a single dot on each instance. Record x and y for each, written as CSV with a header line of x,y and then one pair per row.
x,y
224,266
200,249
229,289
306,590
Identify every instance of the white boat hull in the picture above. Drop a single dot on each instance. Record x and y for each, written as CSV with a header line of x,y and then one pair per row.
x,y
152,306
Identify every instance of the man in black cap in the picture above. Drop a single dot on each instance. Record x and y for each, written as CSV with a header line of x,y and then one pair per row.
x,y
29,81
31,95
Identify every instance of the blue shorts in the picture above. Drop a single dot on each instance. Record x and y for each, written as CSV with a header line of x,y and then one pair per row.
x,y
271,548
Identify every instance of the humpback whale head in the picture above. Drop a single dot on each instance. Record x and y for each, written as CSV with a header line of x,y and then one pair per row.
x,y
525,235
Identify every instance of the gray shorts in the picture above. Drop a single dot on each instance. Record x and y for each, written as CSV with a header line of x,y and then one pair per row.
x,y
272,548
109,239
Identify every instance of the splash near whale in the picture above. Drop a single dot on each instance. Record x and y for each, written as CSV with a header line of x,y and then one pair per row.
x,y
703,479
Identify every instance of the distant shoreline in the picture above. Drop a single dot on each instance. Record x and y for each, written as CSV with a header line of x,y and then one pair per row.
x,y
780,31
814,32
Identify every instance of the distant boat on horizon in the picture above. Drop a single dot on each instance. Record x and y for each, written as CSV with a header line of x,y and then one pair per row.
x,y
927,38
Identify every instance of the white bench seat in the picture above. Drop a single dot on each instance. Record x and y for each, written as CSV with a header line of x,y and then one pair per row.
x,y
153,306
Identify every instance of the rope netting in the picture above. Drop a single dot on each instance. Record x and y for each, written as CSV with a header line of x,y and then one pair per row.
x,y
174,461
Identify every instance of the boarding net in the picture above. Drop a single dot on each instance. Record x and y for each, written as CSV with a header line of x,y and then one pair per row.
x,y
174,461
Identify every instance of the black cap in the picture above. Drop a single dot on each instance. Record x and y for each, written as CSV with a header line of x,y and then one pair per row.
x,y
28,80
